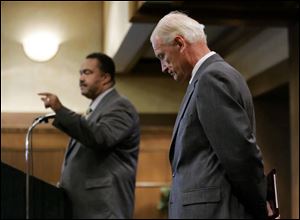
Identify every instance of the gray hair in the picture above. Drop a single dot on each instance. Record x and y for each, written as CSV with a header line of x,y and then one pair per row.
x,y
177,23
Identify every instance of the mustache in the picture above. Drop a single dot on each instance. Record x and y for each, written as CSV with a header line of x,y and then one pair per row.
x,y
82,84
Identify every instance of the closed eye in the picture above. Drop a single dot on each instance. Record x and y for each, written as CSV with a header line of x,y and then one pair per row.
x,y
85,72
160,56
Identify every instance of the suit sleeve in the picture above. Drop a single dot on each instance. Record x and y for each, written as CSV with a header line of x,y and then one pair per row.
x,y
110,129
231,134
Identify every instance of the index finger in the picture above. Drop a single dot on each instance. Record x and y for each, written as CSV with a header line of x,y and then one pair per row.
x,y
44,93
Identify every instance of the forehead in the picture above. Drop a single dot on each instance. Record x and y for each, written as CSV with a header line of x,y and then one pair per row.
x,y
158,46
90,63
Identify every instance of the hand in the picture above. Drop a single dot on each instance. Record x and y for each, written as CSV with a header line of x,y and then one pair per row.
x,y
58,185
50,100
270,211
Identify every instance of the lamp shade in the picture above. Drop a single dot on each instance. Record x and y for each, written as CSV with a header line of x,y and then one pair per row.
x,y
41,46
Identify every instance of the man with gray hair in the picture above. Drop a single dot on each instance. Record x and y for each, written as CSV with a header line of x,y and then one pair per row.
x,y
217,167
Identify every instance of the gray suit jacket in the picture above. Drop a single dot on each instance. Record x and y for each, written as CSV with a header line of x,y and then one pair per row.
x,y
216,165
99,168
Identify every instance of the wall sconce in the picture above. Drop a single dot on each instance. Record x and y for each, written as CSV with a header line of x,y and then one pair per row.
x,y
41,46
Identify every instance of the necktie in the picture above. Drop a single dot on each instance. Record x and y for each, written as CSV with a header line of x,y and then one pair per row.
x,y
88,112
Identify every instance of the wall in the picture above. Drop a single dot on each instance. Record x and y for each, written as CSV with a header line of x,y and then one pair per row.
x,y
152,94
77,26
116,24
275,117
273,132
49,144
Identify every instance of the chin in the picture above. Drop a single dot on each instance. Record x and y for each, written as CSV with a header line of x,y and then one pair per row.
x,y
88,96
84,94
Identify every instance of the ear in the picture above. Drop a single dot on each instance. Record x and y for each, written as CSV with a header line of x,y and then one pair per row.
x,y
107,78
180,42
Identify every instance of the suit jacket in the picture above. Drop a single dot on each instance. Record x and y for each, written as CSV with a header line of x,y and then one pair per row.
x,y
217,167
99,168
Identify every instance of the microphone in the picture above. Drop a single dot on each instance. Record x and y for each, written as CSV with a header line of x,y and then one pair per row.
x,y
44,118
28,154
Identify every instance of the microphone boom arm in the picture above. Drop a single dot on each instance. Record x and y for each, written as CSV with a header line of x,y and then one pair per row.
x,y
28,153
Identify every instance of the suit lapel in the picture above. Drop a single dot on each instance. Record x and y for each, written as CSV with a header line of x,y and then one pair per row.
x,y
183,106
71,145
103,105
94,115
187,97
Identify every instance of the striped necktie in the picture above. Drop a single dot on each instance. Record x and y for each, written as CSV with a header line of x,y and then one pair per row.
x,y
88,112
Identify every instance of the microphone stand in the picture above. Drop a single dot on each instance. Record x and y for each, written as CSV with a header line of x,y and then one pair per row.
x,y
28,154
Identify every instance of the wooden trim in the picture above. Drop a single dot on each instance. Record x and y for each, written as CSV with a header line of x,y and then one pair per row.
x,y
294,117
42,129
133,6
157,119
44,149
102,24
151,184
20,122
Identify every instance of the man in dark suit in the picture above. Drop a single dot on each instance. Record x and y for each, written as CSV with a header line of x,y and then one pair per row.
x,y
217,167
99,169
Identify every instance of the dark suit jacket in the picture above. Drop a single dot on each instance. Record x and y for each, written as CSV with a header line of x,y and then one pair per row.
x,y
216,165
99,169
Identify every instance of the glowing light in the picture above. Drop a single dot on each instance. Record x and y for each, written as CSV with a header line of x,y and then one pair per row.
x,y
41,46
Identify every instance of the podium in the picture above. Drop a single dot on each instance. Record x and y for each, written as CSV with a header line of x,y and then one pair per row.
x,y
46,201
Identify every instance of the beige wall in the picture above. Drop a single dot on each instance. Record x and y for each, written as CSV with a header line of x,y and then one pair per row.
x,y
79,26
116,25
273,133
152,94
75,23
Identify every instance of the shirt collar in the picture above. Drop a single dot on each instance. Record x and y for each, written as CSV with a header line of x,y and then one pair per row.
x,y
100,97
199,63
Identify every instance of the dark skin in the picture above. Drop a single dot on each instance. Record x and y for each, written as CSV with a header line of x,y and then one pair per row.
x,y
92,83
50,100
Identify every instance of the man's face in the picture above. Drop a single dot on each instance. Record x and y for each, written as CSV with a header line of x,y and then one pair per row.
x,y
91,78
171,59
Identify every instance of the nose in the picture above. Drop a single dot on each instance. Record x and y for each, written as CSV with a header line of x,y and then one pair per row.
x,y
81,79
164,67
